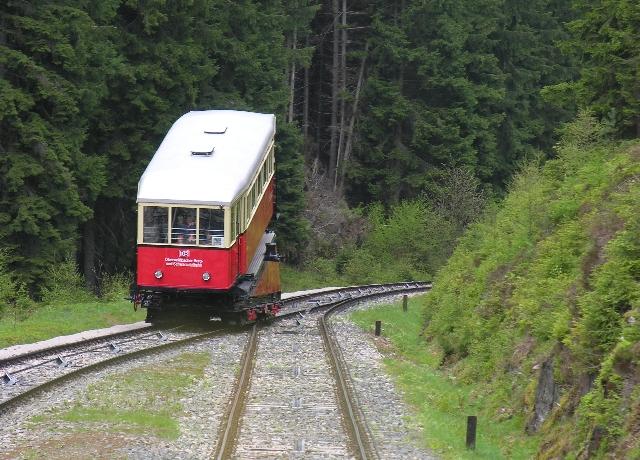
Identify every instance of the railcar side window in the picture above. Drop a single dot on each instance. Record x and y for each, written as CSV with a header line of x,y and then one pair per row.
x,y
236,222
253,196
155,224
183,226
234,219
211,227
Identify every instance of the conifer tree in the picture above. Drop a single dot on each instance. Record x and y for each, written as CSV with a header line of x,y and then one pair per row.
x,y
46,56
607,37
527,39
159,70
89,89
433,93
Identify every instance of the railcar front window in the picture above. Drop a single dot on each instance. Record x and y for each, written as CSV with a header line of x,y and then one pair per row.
x,y
183,226
211,227
155,224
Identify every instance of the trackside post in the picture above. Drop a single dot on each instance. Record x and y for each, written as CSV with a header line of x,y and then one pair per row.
x,y
472,422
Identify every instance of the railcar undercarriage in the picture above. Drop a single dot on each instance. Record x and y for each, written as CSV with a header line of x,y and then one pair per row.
x,y
224,306
250,299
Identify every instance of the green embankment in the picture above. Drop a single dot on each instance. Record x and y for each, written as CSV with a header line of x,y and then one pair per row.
x,y
545,295
441,401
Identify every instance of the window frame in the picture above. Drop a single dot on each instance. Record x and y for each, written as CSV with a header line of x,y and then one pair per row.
x,y
253,194
246,205
140,233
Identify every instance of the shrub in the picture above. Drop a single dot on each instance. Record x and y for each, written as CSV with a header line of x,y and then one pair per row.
x,y
14,298
7,284
64,283
115,286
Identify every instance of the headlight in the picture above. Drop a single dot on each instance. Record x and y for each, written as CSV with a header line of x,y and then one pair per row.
x,y
158,274
206,276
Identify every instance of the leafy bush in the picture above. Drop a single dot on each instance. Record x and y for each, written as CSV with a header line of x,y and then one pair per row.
x,y
410,240
409,244
14,298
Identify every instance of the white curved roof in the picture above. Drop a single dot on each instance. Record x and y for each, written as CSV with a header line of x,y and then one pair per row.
x,y
176,175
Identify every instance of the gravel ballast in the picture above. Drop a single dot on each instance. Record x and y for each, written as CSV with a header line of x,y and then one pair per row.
x,y
387,415
203,405
292,410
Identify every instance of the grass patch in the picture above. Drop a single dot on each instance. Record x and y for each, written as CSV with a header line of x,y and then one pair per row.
x,y
315,276
441,401
61,319
162,424
143,401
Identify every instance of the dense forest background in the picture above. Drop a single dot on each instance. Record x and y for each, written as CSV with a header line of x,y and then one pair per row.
x,y
393,117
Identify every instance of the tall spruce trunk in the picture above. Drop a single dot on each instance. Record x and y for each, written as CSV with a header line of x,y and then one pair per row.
x,y
89,256
305,103
319,117
335,76
343,91
354,112
292,82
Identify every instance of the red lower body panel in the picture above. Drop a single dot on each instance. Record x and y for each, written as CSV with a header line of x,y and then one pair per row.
x,y
184,267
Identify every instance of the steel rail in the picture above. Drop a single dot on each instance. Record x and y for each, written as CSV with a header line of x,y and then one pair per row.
x,y
151,330
359,430
357,422
52,350
226,443
104,342
9,403
396,288
300,297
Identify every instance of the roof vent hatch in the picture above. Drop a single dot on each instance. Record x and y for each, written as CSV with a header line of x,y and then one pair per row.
x,y
202,154
218,130
202,147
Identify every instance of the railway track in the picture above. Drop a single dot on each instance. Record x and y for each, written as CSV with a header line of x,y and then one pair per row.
x,y
289,404
35,373
31,374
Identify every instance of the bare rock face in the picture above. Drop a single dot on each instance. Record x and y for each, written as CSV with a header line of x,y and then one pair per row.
x,y
546,397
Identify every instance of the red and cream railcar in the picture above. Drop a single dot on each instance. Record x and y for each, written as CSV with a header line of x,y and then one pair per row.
x,y
205,202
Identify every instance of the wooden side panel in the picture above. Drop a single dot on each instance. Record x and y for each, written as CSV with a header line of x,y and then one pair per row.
x,y
260,221
269,281
242,254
